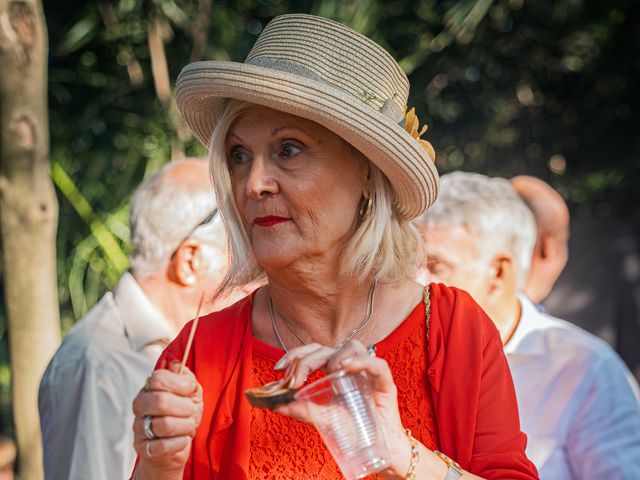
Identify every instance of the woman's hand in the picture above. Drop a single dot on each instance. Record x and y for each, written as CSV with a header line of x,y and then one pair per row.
x,y
174,403
354,357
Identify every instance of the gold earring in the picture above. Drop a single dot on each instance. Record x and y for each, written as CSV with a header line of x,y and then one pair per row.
x,y
365,208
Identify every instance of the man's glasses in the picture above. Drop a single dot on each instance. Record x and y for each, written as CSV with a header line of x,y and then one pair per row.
x,y
206,220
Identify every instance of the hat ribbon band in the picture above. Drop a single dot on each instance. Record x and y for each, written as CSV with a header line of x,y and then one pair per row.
x,y
390,107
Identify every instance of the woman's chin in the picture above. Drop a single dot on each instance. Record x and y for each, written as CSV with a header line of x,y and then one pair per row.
x,y
274,258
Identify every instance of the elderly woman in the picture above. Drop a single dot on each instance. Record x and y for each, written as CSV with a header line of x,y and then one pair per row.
x,y
318,176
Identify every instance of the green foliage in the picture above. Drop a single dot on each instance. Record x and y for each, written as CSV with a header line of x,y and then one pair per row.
x,y
556,85
548,88
507,87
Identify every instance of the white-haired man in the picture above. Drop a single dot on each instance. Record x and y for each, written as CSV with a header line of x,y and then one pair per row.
x,y
178,255
578,403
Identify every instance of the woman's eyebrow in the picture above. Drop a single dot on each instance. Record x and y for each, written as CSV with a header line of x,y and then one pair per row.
x,y
231,134
276,130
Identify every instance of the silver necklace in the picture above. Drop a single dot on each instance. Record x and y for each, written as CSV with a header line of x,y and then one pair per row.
x,y
367,317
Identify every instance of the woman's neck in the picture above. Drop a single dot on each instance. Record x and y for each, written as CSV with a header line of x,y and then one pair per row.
x,y
325,308
319,307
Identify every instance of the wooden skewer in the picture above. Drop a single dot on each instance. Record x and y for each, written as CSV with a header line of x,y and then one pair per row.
x,y
194,325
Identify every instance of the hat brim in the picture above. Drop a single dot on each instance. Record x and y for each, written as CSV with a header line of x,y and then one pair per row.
x,y
203,87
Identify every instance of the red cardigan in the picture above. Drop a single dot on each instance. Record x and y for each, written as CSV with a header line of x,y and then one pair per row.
x,y
473,394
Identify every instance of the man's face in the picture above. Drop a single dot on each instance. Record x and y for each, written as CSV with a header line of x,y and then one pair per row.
x,y
451,258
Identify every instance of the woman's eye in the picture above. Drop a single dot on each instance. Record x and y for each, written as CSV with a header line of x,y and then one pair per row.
x,y
239,155
289,150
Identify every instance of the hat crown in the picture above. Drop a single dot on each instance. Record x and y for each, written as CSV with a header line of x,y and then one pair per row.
x,y
320,70
327,51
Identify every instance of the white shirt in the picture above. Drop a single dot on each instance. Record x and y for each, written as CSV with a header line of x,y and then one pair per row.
x,y
578,403
87,390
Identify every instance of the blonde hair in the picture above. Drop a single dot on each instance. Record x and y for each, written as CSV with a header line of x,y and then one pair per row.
x,y
383,246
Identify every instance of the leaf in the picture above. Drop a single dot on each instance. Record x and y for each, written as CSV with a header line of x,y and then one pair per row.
x,y
79,35
102,234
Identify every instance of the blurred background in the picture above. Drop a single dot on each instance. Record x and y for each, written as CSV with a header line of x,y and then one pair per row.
x,y
545,88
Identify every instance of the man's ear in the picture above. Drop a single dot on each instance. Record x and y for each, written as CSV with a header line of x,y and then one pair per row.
x,y
547,245
185,266
500,273
538,247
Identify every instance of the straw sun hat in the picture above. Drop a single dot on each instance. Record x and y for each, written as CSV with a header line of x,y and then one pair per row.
x,y
320,70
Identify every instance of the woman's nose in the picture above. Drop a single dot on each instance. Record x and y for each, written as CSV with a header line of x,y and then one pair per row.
x,y
261,181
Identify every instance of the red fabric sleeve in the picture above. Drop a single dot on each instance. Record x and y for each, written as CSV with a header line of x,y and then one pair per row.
x,y
476,408
499,446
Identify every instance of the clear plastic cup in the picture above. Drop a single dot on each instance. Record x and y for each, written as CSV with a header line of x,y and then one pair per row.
x,y
341,408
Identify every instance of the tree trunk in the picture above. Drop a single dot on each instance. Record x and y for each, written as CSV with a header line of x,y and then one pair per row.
x,y
28,218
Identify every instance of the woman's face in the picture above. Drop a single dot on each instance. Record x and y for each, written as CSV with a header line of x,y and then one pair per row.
x,y
297,186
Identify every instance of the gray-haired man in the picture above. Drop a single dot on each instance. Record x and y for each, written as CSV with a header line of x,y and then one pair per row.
x,y
179,254
578,403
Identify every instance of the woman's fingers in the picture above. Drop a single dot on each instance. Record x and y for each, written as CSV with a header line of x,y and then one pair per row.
x,y
376,368
165,427
170,381
171,402
161,448
176,367
310,357
163,404
315,356
168,393
350,349
355,357
299,352
310,363
297,409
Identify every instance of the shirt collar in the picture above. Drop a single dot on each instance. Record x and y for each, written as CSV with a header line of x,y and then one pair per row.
x,y
143,323
531,320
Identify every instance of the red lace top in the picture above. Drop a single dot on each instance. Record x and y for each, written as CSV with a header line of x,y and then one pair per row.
x,y
284,448
474,402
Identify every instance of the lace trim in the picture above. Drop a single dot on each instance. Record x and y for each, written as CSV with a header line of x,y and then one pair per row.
x,y
283,448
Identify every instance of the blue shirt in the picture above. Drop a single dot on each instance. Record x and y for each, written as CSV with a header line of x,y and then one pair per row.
x,y
579,404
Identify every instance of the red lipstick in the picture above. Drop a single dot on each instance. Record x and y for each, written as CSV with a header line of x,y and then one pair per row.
x,y
269,221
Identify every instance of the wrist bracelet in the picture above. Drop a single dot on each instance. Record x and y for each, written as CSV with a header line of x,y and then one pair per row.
x,y
415,456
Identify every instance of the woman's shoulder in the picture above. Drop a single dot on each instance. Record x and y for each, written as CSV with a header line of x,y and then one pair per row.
x,y
229,317
220,326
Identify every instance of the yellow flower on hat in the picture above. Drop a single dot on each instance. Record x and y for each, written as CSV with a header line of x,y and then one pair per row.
x,y
411,126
